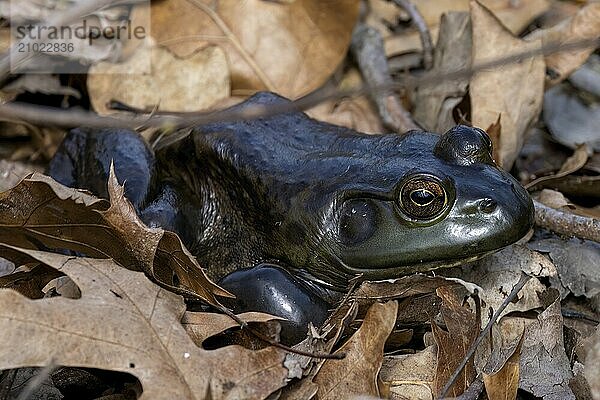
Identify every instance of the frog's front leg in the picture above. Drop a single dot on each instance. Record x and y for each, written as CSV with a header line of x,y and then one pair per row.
x,y
271,289
84,157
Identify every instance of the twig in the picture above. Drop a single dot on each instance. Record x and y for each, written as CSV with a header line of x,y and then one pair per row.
x,y
474,391
419,22
524,279
69,118
367,47
566,223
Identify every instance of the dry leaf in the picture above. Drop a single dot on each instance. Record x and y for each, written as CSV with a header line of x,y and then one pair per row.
x,y
592,365
545,367
585,24
503,384
11,173
410,375
356,374
355,113
513,92
290,49
123,322
175,84
399,288
515,16
572,164
498,273
452,346
494,131
434,104
576,263
40,212
200,325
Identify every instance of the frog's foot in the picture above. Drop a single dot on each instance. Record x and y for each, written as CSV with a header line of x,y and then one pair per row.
x,y
84,157
271,289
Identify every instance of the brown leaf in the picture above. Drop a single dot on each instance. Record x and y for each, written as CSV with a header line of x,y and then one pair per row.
x,y
174,84
201,325
545,367
355,113
410,375
515,16
592,364
31,282
503,384
494,131
434,104
513,91
399,288
41,213
572,164
463,328
123,322
290,49
357,372
585,24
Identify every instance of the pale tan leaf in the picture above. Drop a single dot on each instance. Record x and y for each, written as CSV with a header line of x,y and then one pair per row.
x,y
504,383
410,375
515,16
201,325
174,84
513,92
357,373
287,48
123,322
585,24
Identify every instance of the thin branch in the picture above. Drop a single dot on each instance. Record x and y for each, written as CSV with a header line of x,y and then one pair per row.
x,y
244,325
419,23
524,279
69,118
367,47
566,223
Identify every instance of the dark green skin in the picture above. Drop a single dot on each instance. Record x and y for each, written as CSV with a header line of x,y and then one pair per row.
x,y
320,202
275,190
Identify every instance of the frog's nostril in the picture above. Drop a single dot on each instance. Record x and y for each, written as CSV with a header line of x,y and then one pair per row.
x,y
487,206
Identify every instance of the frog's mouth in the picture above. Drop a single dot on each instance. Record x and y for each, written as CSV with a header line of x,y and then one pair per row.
x,y
344,277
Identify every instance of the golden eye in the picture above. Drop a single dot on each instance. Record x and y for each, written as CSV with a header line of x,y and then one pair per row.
x,y
423,198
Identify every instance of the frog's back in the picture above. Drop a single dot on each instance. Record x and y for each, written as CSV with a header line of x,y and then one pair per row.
x,y
294,149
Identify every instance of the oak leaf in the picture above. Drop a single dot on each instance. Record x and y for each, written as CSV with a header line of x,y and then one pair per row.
x,y
40,213
123,322
290,48
357,372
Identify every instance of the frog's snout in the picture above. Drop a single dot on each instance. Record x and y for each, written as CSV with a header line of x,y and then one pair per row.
x,y
497,218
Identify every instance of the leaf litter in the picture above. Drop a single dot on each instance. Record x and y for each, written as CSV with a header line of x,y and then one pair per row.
x,y
39,214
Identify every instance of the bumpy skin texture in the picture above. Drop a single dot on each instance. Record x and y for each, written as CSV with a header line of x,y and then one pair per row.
x,y
324,203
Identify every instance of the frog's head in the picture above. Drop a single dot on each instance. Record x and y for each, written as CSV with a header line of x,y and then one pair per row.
x,y
441,203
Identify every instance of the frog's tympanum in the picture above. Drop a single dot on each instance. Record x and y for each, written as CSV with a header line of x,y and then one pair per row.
x,y
285,211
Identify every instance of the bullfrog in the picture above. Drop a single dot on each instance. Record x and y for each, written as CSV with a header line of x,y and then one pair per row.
x,y
286,212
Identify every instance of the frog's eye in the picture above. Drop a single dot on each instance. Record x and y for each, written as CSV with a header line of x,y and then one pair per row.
x,y
423,198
